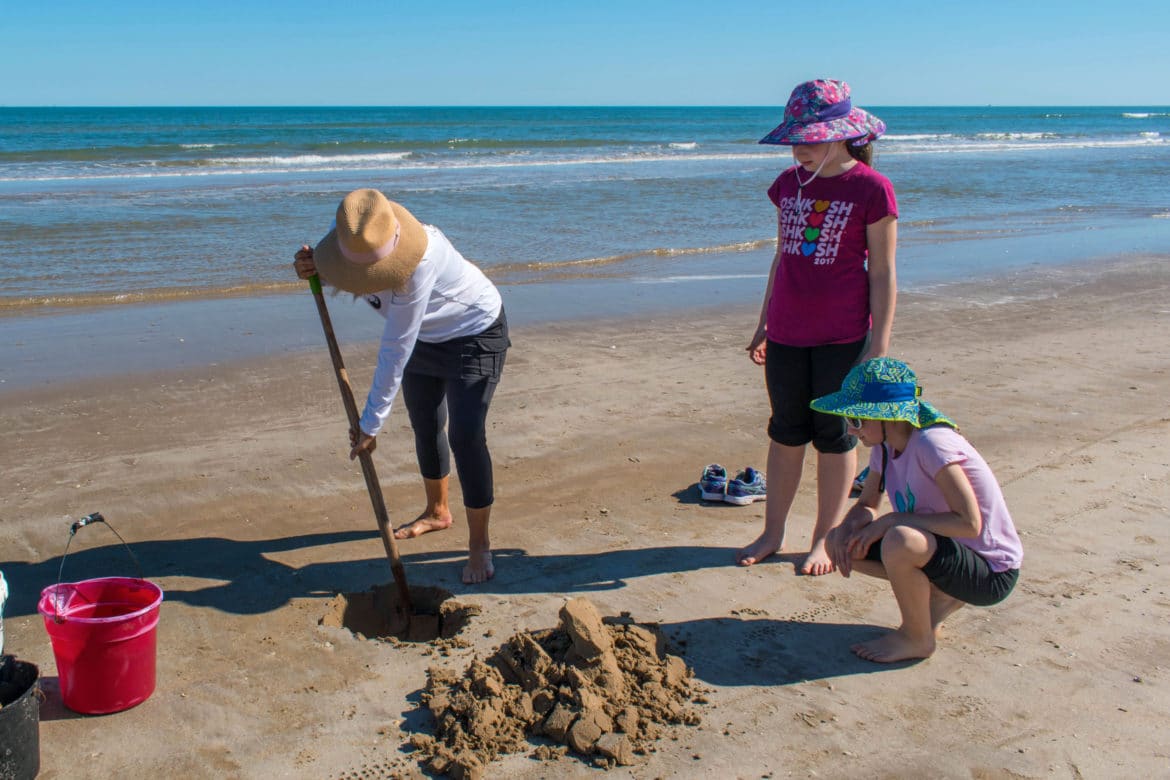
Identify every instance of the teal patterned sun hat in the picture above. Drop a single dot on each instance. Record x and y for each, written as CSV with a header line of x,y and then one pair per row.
x,y
882,389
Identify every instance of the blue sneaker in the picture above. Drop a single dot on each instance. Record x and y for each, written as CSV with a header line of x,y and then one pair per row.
x,y
713,483
748,487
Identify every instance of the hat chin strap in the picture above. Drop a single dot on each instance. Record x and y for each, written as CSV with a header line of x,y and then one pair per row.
x,y
800,185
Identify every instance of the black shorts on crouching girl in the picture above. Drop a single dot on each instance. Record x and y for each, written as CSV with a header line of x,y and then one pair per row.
x,y
961,573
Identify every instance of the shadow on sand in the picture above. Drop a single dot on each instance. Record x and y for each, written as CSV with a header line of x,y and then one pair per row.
x,y
248,580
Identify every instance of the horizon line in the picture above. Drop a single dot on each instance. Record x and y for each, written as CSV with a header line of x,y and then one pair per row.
x,y
567,105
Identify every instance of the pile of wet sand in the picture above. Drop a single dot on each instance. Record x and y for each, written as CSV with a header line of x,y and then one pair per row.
x,y
603,688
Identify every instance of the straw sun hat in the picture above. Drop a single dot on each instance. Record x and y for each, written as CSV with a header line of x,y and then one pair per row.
x,y
882,389
375,245
821,111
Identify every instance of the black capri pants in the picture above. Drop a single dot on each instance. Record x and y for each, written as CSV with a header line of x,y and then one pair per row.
x,y
797,375
447,388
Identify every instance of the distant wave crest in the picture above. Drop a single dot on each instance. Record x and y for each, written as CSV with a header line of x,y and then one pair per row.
x,y
26,304
312,160
456,152
1017,136
607,264
917,136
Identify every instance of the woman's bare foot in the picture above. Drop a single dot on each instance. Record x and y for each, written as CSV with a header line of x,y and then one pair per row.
x,y
894,646
817,562
423,524
759,550
479,567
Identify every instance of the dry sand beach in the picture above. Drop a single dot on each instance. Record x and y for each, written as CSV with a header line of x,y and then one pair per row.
x,y
233,487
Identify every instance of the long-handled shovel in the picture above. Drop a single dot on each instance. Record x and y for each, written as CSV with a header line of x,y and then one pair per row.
x,y
372,484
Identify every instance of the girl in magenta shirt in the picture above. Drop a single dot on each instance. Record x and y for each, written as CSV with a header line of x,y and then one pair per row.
x,y
829,302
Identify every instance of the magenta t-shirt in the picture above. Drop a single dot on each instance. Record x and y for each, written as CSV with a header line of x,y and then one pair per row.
x,y
910,486
821,291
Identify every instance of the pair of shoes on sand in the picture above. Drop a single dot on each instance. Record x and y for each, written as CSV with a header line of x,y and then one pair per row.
x,y
748,486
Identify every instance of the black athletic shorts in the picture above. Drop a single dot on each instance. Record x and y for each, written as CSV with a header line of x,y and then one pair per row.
x,y
797,375
962,573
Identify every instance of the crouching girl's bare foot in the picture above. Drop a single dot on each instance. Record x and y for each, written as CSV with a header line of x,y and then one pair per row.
x,y
479,567
423,524
817,562
894,646
942,606
760,549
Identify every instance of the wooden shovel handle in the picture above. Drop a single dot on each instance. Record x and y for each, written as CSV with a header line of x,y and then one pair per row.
x,y
372,485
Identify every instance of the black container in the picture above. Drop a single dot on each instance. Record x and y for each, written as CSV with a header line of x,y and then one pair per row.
x,y
20,720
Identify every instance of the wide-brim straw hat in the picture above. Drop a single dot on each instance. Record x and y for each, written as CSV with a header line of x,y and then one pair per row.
x,y
375,245
882,389
821,111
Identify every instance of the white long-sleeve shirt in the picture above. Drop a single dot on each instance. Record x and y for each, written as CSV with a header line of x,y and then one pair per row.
x,y
447,297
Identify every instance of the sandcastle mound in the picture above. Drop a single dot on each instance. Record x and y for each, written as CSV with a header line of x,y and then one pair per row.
x,y
603,688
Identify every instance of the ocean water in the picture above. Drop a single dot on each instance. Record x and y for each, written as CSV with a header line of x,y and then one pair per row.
x,y
124,215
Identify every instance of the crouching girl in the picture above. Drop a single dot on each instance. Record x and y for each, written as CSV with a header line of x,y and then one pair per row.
x,y
949,540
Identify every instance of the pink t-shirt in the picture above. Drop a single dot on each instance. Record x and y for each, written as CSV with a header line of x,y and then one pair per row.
x,y
821,291
911,488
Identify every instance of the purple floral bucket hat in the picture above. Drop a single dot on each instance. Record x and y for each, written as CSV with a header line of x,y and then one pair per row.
x,y
821,111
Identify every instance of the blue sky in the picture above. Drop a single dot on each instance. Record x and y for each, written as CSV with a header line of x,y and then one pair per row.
x,y
603,52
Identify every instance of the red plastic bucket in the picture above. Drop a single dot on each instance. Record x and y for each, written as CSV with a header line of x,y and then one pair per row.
x,y
104,641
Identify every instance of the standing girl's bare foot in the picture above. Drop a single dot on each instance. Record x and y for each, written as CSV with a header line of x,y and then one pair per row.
x,y
894,646
759,550
424,524
817,562
479,567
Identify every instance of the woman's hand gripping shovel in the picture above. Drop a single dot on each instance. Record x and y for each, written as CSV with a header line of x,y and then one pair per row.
x,y
401,623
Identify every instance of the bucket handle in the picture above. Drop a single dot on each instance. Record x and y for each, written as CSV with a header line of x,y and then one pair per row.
x,y
91,518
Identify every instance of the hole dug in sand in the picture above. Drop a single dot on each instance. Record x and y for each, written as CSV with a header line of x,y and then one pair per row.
x,y
604,688
377,613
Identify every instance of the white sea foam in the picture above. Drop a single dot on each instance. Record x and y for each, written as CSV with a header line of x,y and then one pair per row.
x,y
365,163
1015,145
987,143
685,146
917,136
1015,136
313,160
